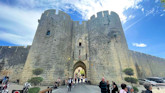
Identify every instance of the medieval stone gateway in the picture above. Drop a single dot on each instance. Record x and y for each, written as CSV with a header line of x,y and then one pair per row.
x,y
61,45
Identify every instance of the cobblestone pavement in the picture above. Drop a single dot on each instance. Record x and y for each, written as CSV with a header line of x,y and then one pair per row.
x,y
79,88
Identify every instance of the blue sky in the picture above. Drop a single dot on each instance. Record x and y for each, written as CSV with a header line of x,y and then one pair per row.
x,y
143,21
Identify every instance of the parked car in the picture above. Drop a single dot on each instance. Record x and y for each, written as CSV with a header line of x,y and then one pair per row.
x,y
163,79
156,79
142,81
159,81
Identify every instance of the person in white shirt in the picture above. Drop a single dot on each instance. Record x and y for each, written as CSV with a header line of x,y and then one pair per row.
x,y
124,88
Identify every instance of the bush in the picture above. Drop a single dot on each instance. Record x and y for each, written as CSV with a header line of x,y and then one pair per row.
x,y
35,80
34,90
136,90
128,71
82,72
131,80
37,71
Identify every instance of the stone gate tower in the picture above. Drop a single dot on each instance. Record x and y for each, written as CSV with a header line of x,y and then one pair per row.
x,y
61,45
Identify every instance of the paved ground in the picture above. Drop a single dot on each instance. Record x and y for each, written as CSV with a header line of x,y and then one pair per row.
x,y
13,86
81,88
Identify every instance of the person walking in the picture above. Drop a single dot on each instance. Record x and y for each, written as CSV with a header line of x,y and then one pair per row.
x,y
78,80
114,88
58,82
108,86
69,84
81,79
4,80
103,86
148,88
124,88
85,80
75,80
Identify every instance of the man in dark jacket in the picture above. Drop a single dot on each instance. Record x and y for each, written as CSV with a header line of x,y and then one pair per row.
x,y
148,88
103,86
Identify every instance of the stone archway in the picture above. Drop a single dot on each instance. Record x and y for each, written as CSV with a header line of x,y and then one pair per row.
x,y
80,64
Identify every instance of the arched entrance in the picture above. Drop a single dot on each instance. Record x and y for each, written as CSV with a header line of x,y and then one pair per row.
x,y
79,70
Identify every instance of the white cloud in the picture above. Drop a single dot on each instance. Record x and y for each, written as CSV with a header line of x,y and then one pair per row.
x,y
150,12
156,1
139,44
21,21
131,17
142,10
18,26
87,7
135,22
162,15
15,39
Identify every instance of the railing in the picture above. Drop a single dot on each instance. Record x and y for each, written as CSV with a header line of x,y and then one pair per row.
x,y
48,90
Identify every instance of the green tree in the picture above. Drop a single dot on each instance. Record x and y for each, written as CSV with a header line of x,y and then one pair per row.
x,y
37,71
129,71
35,80
163,2
34,90
82,72
131,80
136,90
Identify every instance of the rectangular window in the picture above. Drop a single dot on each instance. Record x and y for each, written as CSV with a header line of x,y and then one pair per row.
x,y
48,32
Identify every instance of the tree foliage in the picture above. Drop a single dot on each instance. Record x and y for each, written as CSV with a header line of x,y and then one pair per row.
x,y
35,80
34,90
82,72
129,71
131,80
163,2
37,71
136,90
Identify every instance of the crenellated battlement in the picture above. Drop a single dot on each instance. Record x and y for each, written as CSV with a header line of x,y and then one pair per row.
x,y
64,15
102,14
10,47
143,54
77,23
53,12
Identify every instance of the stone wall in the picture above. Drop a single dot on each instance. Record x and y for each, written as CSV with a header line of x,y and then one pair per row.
x,y
12,60
108,51
56,47
147,65
50,51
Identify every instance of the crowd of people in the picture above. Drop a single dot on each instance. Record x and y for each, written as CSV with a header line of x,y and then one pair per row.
x,y
107,88
70,82
75,81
